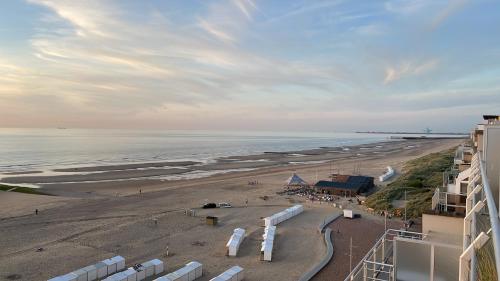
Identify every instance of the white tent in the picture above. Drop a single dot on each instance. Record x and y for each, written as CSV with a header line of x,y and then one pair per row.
x,y
295,180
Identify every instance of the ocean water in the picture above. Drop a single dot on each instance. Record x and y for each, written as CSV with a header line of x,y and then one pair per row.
x,y
46,149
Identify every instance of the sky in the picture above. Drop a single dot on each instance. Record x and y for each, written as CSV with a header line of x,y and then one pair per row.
x,y
279,65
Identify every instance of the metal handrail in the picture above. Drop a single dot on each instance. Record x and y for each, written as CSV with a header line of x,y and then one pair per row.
x,y
493,214
389,232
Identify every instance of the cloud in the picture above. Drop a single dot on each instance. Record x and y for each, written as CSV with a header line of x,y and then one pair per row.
x,y
219,34
406,7
408,69
246,7
305,9
220,64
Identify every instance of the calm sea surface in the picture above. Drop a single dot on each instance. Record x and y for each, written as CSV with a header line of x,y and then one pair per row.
x,y
45,149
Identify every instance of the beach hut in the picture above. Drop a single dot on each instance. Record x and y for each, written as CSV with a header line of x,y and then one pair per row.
x,y
235,241
141,273
101,269
111,265
96,271
235,273
191,271
387,175
131,274
197,268
294,181
82,274
152,267
266,249
119,261
67,277
91,272
283,215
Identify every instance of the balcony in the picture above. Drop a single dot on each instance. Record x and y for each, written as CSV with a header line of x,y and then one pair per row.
x,y
468,253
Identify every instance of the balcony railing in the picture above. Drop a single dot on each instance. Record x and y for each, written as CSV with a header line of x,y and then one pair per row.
x,y
480,259
377,264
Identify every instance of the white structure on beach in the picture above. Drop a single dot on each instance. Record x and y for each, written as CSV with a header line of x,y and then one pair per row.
x,y
235,241
389,174
266,250
295,181
283,215
190,272
96,271
139,272
235,273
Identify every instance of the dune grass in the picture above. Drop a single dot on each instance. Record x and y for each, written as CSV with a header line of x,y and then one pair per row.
x,y
419,179
22,189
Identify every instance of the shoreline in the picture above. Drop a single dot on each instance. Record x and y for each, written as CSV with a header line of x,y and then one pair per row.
x,y
88,222
184,170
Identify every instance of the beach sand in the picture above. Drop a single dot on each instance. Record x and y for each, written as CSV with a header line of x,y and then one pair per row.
x,y
92,221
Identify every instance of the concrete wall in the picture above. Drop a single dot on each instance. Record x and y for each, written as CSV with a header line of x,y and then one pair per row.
x,y
442,224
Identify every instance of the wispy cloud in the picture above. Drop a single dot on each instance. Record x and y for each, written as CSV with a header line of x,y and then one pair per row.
x,y
246,7
406,7
219,34
124,63
393,73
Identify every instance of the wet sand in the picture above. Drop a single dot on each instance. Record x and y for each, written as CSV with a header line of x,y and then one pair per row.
x,y
94,221
158,171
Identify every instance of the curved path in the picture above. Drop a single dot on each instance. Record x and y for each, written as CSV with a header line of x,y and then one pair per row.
x,y
329,249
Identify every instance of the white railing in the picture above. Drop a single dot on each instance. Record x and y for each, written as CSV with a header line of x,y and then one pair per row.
x,y
377,263
477,230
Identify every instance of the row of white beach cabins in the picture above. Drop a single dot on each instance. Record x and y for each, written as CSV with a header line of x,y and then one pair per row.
x,y
266,250
113,269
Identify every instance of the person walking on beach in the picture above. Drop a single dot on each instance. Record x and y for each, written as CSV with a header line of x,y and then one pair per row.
x,y
36,211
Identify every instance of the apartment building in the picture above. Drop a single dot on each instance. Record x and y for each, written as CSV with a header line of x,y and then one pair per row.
x,y
460,238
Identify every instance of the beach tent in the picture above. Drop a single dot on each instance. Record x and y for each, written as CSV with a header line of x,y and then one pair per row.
x,y
295,181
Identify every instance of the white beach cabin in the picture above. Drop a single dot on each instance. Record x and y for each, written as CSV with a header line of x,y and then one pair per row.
x,y
235,273
235,241
283,215
266,250
388,174
190,272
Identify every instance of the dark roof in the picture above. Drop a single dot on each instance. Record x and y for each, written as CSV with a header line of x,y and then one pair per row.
x,y
489,117
353,183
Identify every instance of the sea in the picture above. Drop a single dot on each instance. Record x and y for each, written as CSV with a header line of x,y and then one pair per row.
x,y
47,149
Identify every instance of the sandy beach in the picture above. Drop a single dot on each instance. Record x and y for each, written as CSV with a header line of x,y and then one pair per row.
x,y
89,221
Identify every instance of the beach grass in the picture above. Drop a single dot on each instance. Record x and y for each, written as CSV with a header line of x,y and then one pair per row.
x,y
21,189
419,179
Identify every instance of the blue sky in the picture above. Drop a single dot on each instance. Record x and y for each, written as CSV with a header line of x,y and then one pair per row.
x,y
249,65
